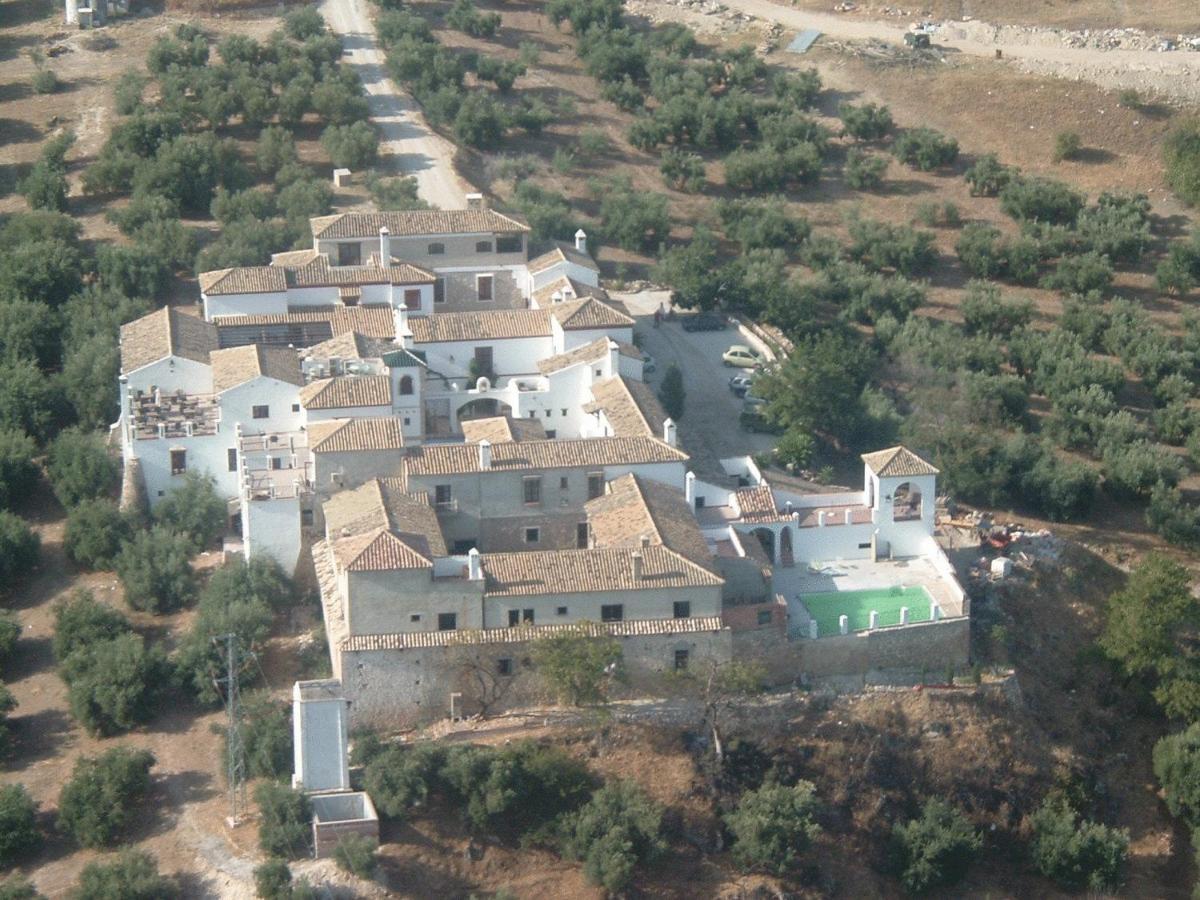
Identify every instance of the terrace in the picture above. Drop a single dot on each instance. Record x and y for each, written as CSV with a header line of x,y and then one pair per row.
x,y
175,414
275,466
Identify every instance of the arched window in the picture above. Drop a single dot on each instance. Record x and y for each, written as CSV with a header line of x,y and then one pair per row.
x,y
906,503
406,384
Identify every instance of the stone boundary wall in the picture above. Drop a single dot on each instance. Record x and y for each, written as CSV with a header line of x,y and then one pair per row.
x,y
925,645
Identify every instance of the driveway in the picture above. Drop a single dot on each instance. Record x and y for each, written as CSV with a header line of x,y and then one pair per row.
x,y
709,429
407,144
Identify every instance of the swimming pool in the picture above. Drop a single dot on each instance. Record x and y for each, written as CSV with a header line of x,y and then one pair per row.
x,y
827,608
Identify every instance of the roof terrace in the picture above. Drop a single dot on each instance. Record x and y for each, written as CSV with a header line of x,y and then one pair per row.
x,y
172,414
275,466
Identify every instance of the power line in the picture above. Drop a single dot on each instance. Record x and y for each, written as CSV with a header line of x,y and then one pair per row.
x,y
235,747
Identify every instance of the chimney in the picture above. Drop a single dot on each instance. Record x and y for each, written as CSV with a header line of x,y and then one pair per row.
x,y
645,541
400,322
614,358
636,559
474,565
476,201
581,241
669,432
556,297
385,247
485,454
689,489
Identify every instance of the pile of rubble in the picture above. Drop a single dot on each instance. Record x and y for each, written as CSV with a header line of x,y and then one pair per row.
x,y
1085,39
702,15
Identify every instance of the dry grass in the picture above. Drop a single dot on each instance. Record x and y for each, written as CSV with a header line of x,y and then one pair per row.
x,y
1168,16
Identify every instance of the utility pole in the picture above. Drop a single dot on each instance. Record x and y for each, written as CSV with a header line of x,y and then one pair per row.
x,y
235,747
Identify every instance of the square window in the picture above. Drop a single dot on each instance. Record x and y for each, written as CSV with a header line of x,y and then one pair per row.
x,y
564,413
508,245
561,611
439,290
276,463
595,485
349,254
483,286
231,458
527,616
581,536
407,420
683,609
549,413
447,621
504,666
295,407
412,298
563,483
442,494
415,617
178,462
436,249
764,617
260,412
681,660
612,612
551,434
514,618
533,535
483,246
306,518
531,487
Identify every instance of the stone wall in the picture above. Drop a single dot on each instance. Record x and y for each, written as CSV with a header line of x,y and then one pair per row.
x,y
926,645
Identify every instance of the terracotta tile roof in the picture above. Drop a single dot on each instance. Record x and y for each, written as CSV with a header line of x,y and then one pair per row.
x,y
629,406
166,332
562,253
757,504
291,258
382,503
500,429
897,462
413,640
350,345
586,571
452,459
574,315
636,509
588,353
243,280
373,321
569,289
414,223
377,551
319,273
355,435
237,365
346,391
479,326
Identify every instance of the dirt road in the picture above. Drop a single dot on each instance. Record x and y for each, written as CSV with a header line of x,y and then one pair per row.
x,y
1175,74
407,143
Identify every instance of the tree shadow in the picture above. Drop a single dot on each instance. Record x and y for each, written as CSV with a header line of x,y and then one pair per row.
x,y
38,736
21,12
1093,155
18,131
906,187
31,656
11,45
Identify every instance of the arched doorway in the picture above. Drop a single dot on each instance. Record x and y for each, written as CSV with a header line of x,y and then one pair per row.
x,y
483,408
906,503
786,559
766,537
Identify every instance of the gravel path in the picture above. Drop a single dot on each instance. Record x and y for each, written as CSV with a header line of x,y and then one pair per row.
x,y
411,146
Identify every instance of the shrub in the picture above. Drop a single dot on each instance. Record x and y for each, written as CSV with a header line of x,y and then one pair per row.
x,y
285,823
18,888
353,146
303,23
464,17
1170,516
935,849
988,177
81,621
1180,271
19,549
155,570
769,169
101,798
868,122
18,823
355,853
267,737
401,778
1118,227
634,220
762,223
879,245
773,825
10,633
1080,274
1132,469
114,684
80,468
273,880
193,510
671,392
925,149
1077,854
682,170
1177,768
986,311
613,832
133,875
1066,145
864,171
1181,154
18,471
44,81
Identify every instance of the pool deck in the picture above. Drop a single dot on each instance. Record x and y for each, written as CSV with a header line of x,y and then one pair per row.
x,y
860,575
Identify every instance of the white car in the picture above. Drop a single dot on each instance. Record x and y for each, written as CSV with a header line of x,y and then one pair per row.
x,y
741,356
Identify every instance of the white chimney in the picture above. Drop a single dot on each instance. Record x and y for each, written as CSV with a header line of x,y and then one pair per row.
x,y
689,489
474,566
645,541
669,432
485,454
385,247
400,321
476,201
556,297
581,241
614,359
636,559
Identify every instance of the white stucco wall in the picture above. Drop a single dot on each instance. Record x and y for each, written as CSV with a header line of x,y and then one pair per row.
x,y
272,528
273,303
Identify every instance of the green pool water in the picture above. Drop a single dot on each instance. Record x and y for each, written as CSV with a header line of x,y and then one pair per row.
x,y
828,607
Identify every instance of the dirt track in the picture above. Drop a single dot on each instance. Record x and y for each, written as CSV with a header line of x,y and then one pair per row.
x,y
1175,75
413,147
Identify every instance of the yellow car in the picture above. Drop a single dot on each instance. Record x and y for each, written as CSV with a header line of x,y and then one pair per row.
x,y
741,356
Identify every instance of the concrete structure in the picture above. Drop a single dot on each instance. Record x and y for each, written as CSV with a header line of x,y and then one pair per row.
x,y
320,736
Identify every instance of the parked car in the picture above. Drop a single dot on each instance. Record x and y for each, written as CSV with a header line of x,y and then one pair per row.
x,y
705,322
753,421
740,384
648,364
741,356
749,401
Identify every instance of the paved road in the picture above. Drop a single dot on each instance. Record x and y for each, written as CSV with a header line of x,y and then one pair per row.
x,y
709,430
1176,73
408,143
